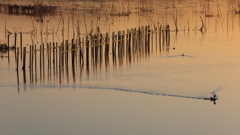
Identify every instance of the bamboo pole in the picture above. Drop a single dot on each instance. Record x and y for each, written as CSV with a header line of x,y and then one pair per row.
x,y
66,54
35,54
43,61
40,64
17,65
17,58
87,52
113,46
21,43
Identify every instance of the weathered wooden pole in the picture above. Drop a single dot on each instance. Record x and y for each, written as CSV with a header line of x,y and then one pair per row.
x,y
60,63
30,62
73,53
113,47
17,65
15,39
21,43
35,62
8,48
129,45
82,50
40,62
96,48
106,52
160,37
56,56
24,58
43,60
50,55
32,55
143,39
87,52
17,58
53,60
119,46
66,54
123,43
101,48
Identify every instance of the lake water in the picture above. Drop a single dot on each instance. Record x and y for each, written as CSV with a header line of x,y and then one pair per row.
x,y
162,93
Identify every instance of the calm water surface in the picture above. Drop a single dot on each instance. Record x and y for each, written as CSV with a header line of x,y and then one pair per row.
x,y
162,93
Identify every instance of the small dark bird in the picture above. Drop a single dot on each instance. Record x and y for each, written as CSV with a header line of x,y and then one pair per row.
x,y
213,98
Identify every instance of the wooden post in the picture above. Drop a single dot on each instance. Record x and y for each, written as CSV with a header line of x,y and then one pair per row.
x,y
149,36
133,41
40,64
30,62
47,57
160,37
60,63
17,58
156,32
53,60
35,63
73,57
113,46
119,46
123,43
106,52
17,65
15,41
143,39
82,50
62,55
127,44
66,54
8,47
50,55
139,41
163,36
30,57
168,35
75,52
43,60
101,48
24,58
96,47
56,61
21,43
87,52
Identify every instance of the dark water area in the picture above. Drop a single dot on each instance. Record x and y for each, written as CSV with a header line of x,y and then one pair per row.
x,y
163,85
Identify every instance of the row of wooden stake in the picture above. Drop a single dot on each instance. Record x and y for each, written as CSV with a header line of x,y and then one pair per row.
x,y
91,51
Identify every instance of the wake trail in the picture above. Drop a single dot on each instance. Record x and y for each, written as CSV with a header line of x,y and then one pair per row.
x,y
214,92
171,95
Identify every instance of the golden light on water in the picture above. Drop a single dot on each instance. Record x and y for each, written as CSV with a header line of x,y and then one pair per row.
x,y
159,91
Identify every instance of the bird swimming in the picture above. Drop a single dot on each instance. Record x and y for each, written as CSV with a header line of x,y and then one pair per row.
x,y
214,98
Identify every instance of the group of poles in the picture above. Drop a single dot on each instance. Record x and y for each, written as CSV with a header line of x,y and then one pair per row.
x,y
89,52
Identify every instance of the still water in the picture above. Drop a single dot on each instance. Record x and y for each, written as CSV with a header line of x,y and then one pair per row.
x,y
163,93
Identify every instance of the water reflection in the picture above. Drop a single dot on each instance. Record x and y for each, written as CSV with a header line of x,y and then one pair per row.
x,y
115,52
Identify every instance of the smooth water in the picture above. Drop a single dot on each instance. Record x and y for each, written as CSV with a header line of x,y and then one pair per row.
x,y
163,93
